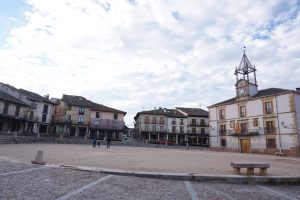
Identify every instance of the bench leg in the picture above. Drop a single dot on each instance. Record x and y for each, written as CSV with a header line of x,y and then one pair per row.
x,y
263,171
250,171
237,171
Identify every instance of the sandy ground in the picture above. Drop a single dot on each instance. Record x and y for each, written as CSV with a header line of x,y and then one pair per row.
x,y
147,159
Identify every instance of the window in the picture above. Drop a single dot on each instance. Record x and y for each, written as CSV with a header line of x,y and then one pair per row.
x,y
202,122
242,111
194,122
193,130
81,111
161,128
174,121
68,118
154,128
97,115
45,110
223,142
268,107
31,115
5,109
17,111
115,116
271,143
243,128
181,129
255,122
154,120
202,130
231,124
173,129
181,122
222,114
80,120
146,127
146,120
44,117
269,127
222,130
161,120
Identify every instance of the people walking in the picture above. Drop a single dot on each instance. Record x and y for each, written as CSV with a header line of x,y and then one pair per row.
x,y
94,142
108,138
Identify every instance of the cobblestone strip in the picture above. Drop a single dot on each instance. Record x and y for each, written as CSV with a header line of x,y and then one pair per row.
x,y
281,194
191,190
22,171
66,196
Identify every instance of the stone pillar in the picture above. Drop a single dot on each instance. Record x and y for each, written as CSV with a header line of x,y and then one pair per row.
x,y
157,137
48,127
97,134
26,127
149,137
76,132
166,144
176,138
86,132
65,130
114,135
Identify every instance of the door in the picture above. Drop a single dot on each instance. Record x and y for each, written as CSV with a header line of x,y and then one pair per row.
x,y
245,145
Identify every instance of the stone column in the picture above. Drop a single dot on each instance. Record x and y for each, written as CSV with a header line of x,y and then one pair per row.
x,y
176,138
76,132
97,134
166,144
86,132
114,135
157,137
149,137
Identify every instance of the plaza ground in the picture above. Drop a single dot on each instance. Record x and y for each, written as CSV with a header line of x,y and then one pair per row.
x,y
147,159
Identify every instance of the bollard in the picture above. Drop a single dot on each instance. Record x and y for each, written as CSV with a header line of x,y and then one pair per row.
x,y
39,159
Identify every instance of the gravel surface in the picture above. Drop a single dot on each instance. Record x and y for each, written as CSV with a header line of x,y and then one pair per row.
x,y
49,182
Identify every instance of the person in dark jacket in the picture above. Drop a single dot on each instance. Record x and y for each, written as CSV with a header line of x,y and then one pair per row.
x,y
108,138
94,142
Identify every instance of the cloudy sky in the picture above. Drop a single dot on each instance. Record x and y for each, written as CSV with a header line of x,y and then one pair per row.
x,y
135,55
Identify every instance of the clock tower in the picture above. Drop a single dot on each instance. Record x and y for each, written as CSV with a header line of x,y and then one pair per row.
x,y
246,85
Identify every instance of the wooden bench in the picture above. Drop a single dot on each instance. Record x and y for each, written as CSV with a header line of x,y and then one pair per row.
x,y
250,168
279,154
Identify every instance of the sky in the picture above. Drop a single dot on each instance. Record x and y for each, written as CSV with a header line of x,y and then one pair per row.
x,y
136,55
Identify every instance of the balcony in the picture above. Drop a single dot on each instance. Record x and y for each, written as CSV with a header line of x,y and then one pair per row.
x,y
107,124
146,121
270,131
222,132
197,132
173,122
154,122
246,132
162,122
198,124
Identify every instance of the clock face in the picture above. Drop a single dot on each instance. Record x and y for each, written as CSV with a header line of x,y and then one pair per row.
x,y
242,91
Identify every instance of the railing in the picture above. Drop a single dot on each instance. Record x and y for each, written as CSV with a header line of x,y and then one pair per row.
x,y
270,131
197,132
222,132
173,122
246,132
162,121
198,124
107,124
154,122
146,121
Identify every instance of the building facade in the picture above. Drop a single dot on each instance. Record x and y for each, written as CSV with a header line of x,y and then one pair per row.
x,y
38,113
256,121
75,116
171,126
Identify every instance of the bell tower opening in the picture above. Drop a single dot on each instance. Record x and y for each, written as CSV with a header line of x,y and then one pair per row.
x,y
246,84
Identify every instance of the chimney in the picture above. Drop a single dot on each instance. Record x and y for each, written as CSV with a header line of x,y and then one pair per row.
x,y
298,89
165,110
46,96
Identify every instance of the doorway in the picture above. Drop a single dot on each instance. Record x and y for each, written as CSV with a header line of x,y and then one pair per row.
x,y
245,145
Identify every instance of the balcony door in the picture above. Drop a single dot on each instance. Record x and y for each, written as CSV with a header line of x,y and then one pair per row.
x,y
245,145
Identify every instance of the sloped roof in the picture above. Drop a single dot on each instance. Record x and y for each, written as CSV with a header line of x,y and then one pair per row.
x,y
260,93
103,108
7,97
35,96
73,100
162,111
194,112
81,101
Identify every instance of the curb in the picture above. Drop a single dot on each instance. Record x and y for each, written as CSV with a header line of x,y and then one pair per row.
x,y
232,179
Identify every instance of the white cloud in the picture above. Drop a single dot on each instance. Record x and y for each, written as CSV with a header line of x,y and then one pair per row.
x,y
135,54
